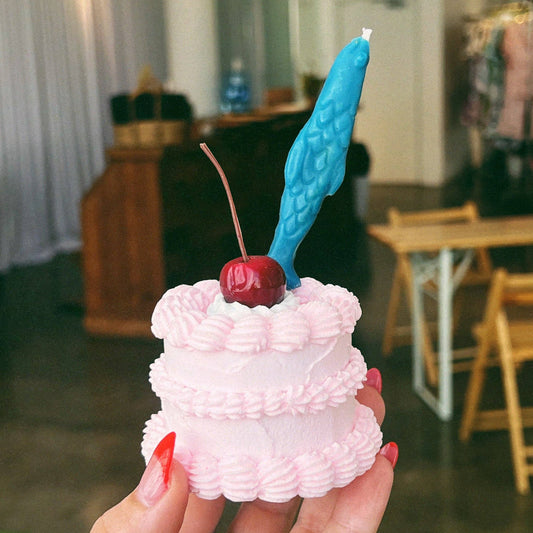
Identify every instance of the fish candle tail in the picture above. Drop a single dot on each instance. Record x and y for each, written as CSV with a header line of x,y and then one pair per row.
x,y
316,163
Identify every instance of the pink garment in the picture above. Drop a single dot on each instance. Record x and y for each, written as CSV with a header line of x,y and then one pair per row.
x,y
518,79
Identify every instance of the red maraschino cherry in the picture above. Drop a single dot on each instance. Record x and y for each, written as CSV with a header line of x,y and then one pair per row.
x,y
250,280
258,281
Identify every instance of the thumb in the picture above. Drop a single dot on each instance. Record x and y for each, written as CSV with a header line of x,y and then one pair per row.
x,y
158,503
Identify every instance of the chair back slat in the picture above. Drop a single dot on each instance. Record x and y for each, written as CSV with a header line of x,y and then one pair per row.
x,y
466,213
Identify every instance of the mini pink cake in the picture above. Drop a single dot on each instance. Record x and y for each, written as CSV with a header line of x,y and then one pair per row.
x,y
259,383
263,400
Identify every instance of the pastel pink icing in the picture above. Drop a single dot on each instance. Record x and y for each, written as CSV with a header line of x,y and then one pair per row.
x,y
325,311
284,380
309,397
276,479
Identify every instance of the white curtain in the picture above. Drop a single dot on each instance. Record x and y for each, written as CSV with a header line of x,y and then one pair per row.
x,y
60,61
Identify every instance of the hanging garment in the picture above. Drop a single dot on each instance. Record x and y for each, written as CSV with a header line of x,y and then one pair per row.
x,y
486,81
516,51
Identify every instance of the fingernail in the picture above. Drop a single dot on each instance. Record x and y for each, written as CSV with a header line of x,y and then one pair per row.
x,y
373,379
154,482
390,452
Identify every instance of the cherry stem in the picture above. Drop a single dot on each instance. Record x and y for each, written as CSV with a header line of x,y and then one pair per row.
x,y
238,231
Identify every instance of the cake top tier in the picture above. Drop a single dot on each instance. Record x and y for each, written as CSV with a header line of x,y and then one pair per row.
x,y
196,317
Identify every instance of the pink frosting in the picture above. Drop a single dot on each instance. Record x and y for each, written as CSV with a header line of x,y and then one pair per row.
x,y
324,312
308,398
276,479
195,319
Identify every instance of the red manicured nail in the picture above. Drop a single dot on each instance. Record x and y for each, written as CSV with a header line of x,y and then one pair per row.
x,y
373,379
154,482
390,452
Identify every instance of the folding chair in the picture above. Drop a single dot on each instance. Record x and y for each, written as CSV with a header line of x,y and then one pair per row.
x,y
507,331
478,274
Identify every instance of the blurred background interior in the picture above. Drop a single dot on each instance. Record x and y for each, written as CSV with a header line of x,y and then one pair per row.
x,y
106,201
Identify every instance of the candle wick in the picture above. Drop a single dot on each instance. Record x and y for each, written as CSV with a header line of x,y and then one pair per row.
x,y
366,34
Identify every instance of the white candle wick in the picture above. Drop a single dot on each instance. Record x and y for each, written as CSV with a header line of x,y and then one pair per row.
x,y
366,34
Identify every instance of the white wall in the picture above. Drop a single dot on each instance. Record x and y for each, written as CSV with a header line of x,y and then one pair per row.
x,y
192,52
277,49
415,83
430,101
385,121
400,118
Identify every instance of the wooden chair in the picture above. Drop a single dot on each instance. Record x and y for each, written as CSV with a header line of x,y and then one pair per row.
x,y
511,339
479,273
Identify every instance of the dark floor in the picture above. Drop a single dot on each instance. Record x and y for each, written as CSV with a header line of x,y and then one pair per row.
x,y
73,407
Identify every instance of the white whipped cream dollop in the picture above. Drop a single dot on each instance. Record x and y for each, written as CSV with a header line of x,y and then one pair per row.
x,y
237,310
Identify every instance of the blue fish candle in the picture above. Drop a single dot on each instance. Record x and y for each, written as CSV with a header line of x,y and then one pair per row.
x,y
316,163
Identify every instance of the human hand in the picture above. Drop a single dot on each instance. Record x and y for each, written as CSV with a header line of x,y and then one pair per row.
x,y
161,502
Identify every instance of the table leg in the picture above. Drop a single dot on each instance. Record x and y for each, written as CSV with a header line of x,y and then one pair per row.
x,y
445,334
418,315
442,403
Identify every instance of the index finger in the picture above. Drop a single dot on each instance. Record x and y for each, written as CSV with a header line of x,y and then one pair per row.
x,y
372,398
202,515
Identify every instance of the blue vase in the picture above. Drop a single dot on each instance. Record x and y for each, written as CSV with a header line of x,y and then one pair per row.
x,y
235,97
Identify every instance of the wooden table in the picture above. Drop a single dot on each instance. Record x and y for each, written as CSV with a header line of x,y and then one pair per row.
x,y
442,240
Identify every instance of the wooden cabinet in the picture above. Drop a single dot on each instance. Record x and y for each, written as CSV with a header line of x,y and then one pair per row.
x,y
123,261
160,217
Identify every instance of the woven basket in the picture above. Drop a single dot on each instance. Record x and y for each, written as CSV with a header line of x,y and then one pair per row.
x,y
147,129
149,133
174,131
125,135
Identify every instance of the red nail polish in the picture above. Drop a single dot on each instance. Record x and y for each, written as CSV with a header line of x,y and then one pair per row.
x,y
154,482
374,380
390,452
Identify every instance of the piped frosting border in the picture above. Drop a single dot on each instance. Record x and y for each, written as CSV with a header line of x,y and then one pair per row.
x,y
322,313
305,398
276,479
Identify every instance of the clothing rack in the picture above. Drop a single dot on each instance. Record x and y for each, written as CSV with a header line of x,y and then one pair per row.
x,y
486,105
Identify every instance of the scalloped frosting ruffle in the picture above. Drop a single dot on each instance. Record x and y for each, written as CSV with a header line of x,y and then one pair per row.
x,y
301,399
322,313
276,479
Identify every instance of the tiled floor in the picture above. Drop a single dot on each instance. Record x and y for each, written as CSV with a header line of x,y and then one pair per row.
x,y
72,407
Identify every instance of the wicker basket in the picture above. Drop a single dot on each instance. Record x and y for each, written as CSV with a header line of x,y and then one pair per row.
x,y
149,133
145,123
175,131
125,135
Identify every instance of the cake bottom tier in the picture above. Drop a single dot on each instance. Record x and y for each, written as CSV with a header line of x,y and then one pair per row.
x,y
246,477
